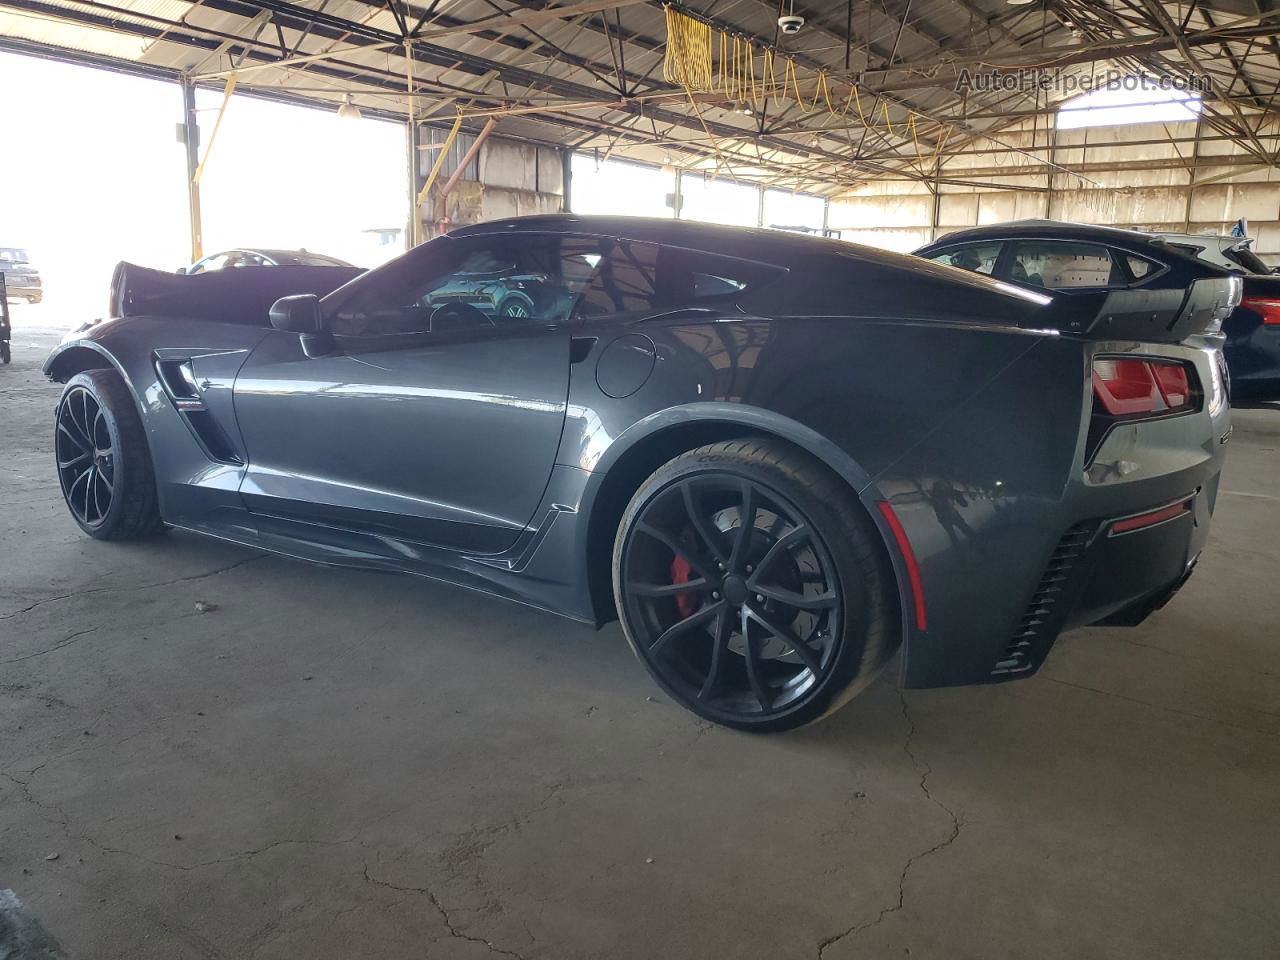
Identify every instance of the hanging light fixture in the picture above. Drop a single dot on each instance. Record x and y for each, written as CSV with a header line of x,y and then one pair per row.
x,y
348,110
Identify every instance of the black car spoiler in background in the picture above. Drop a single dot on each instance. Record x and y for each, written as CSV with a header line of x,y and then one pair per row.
x,y
240,294
1162,316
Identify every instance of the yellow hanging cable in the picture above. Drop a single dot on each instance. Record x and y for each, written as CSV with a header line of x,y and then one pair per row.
x,y
884,109
724,62
769,77
915,139
938,144
853,92
789,81
751,75
687,61
825,89
740,69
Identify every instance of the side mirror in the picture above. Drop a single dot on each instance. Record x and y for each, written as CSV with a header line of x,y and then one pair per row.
x,y
297,314
300,314
180,270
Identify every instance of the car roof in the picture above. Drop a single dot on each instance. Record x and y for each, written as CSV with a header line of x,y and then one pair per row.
x,y
780,247
1048,228
654,230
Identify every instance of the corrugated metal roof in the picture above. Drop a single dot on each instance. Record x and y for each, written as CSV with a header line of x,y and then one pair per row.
x,y
591,57
73,33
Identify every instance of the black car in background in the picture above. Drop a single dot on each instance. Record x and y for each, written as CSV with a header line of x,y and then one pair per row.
x,y
775,458
21,278
1075,260
261,257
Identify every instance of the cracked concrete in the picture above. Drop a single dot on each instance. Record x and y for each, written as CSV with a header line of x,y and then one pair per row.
x,y
952,835
333,764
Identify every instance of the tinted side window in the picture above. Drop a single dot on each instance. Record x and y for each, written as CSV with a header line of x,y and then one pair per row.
x,y
1064,265
639,277
472,284
975,257
1140,267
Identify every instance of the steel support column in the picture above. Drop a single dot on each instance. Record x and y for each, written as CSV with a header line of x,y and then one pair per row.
x,y
191,140
566,179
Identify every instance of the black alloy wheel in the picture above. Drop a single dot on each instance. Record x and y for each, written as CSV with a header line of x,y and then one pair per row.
x,y
734,600
102,459
86,457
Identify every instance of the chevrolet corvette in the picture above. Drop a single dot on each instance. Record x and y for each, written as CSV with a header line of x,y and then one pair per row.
x,y
778,460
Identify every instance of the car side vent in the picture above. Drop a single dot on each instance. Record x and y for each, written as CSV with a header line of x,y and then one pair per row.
x,y
179,379
1043,618
211,437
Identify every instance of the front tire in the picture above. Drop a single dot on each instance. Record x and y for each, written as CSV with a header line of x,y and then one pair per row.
x,y
753,586
104,466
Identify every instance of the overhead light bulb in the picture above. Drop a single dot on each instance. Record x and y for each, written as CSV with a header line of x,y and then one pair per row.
x,y
348,110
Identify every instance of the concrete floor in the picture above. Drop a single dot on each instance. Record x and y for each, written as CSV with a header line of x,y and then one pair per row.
x,y
337,765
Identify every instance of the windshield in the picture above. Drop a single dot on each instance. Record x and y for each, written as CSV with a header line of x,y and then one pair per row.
x,y
13,255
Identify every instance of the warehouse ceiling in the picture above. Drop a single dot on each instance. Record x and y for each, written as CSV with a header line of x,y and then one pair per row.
x,y
862,91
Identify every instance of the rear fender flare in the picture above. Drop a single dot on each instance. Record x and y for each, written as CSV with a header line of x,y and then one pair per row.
x,y
760,421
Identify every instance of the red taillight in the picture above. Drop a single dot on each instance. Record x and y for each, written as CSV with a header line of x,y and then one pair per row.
x,y
909,561
1265,307
1128,386
1174,384
1124,387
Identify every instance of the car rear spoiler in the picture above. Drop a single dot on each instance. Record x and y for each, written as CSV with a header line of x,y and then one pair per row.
x,y
241,294
1161,316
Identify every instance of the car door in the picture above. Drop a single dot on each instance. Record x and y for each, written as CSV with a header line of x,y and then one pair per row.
x,y
425,417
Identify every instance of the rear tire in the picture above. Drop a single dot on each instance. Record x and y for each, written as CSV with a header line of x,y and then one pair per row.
x,y
753,586
4,351
103,464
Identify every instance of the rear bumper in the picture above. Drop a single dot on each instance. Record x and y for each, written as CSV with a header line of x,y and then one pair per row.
x,y
1109,573
1027,546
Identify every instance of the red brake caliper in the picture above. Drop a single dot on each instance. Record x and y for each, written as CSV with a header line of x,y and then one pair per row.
x,y
680,571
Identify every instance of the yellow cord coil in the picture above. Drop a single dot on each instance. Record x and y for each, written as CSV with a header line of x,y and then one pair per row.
x,y
733,72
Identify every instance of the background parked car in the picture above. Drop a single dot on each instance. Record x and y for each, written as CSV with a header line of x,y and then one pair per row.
x,y
1080,260
262,258
22,279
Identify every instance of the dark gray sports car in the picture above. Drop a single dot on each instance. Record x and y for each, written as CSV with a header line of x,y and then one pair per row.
x,y
775,458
